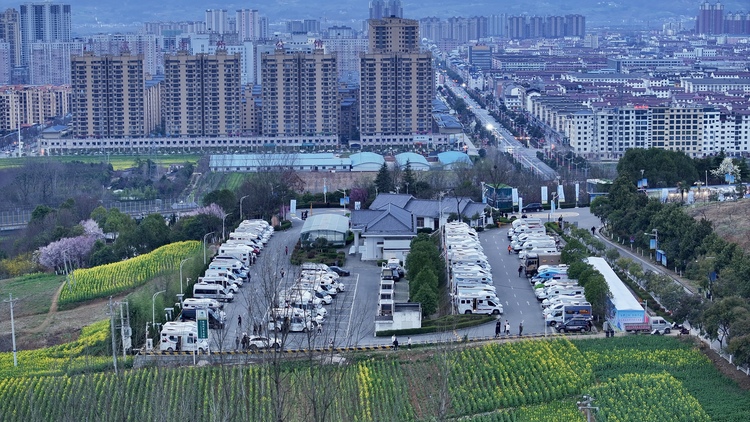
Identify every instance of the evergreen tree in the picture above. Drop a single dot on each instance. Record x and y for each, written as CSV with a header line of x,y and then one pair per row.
x,y
383,181
408,181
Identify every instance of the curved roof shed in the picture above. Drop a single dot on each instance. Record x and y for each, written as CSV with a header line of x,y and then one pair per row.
x,y
366,161
416,161
450,158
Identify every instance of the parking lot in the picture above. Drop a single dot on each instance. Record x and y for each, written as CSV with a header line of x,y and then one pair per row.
x,y
351,317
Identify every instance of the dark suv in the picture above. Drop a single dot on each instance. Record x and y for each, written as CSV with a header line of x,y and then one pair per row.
x,y
535,206
578,324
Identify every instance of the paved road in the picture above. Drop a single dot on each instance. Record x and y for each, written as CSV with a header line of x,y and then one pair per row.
x,y
506,141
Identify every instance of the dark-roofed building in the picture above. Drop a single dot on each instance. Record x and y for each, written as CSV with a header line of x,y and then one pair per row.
x,y
385,233
384,227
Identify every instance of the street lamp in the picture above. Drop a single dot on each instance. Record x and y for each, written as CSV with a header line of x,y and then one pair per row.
x,y
204,246
182,262
153,308
222,226
242,199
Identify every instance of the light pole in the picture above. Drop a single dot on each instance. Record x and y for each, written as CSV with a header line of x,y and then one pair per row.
x,y
242,199
182,262
223,225
204,246
153,308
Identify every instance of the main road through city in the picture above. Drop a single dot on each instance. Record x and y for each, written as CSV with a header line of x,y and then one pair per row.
x,y
506,141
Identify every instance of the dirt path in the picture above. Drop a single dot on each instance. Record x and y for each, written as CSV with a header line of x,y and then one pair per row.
x,y
50,314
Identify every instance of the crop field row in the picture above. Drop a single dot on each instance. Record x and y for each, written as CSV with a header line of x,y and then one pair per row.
x,y
517,381
105,280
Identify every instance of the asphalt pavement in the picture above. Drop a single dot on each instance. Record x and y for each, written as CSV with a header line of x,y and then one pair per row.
x,y
351,316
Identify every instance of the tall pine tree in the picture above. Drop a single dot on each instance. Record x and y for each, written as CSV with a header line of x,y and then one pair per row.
x,y
384,181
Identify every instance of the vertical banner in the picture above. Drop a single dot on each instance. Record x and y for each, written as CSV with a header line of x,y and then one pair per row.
x,y
520,204
515,196
484,194
664,194
577,189
293,207
560,194
545,195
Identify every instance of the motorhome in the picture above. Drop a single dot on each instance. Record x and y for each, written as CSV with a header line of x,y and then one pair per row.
x,y
475,305
255,248
559,306
536,244
568,312
239,252
194,303
546,303
181,337
293,324
292,312
467,287
230,275
212,291
543,250
216,319
221,281
471,278
237,268
550,292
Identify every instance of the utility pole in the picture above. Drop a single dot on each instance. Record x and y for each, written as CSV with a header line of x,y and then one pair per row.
x,y
13,329
111,314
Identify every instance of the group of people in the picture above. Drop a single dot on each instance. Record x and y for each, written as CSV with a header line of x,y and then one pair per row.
x,y
394,341
501,328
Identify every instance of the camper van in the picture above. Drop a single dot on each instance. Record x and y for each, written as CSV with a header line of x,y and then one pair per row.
x,y
468,287
193,303
212,291
553,291
239,252
181,337
230,275
474,305
216,319
237,268
221,281
568,312
546,303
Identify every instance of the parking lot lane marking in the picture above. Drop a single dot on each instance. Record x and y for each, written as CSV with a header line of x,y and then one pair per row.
x,y
351,309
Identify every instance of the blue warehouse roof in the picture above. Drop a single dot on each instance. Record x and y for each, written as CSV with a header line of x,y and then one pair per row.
x,y
417,161
448,158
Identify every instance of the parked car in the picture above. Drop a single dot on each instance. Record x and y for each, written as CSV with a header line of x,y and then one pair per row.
x,y
340,271
261,342
576,324
534,206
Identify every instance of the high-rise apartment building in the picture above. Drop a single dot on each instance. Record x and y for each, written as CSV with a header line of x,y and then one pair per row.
x,y
248,25
217,21
43,22
202,94
49,62
108,96
397,83
710,19
300,93
10,32
32,105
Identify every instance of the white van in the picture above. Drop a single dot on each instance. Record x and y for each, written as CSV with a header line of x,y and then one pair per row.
x,y
220,280
231,276
255,247
553,291
241,252
212,291
225,265
542,250
195,303
181,337
474,305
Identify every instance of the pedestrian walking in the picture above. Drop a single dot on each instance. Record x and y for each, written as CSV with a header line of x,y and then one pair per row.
x,y
286,250
320,327
520,329
605,328
593,230
507,328
498,328
520,270
239,321
282,273
509,249
394,340
330,343
236,343
408,342
244,341
255,329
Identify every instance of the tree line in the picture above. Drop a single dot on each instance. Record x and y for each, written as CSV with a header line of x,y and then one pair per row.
x,y
720,268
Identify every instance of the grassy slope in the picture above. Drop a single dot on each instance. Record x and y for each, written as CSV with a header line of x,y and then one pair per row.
x,y
34,292
119,162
